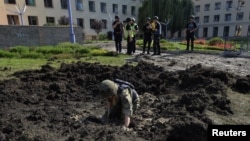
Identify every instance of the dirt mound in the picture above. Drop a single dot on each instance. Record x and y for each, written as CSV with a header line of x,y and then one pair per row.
x,y
63,104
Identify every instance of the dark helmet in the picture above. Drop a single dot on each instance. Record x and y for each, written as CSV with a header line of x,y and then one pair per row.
x,y
108,88
191,17
117,17
156,18
148,19
128,19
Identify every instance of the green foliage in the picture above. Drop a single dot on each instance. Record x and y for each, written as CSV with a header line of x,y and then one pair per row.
x,y
32,55
102,37
6,54
83,50
215,41
19,49
175,11
98,52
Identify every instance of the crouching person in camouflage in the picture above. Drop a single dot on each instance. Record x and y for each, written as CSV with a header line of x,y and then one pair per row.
x,y
122,99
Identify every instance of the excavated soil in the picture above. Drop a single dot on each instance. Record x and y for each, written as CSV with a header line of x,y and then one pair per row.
x,y
63,104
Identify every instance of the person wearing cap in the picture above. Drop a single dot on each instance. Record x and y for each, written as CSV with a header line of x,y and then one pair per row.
x,y
191,27
120,102
157,36
135,29
147,36
118,31
129,35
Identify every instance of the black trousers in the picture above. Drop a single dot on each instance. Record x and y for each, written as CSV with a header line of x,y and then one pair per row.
x,y
190,37
156,44
147,40
129,45
118,42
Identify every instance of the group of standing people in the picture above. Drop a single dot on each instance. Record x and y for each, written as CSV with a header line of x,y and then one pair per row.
x,y
127,30
152,31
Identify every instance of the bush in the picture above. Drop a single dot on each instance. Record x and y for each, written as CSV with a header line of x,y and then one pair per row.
x,y
19,49
215,41
5,54
32,55
98,52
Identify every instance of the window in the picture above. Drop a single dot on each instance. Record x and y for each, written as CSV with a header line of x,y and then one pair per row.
x,y
206,19
92,21
226,31
215,31
217,6
50,20
124,9
248,30
33,20
216,18
91,6
207,7
79,5
197,19
239,16
228,17
64,4
30,2
48,3
197,8
229,4
80,22
115,8
103,7
13,20
238,30
104,24
133,13
205,30
10,1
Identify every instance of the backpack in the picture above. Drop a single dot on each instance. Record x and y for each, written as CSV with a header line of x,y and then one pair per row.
x,y
124,84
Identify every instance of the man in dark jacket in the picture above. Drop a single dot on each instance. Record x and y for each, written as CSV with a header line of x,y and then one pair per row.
x,y
147,36
191,27
118,31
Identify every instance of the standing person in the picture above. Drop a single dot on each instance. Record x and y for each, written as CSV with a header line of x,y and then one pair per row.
x,y
147,36
157,35
118,31
128,34
135,30
191,27
123,100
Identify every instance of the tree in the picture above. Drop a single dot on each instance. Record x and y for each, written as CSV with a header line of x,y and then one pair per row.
x,y
177,11
97,25
63,20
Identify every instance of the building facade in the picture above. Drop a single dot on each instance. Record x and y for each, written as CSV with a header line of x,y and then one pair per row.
x,y
53,12
222,18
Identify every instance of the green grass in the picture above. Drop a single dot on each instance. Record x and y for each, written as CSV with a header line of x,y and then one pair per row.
x,y
11,65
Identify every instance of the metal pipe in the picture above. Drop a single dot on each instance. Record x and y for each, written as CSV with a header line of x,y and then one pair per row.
x,y
72,34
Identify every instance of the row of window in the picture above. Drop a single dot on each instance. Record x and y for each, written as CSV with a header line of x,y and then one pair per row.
x,y
79,6
216,18
226,29
33,20
217,5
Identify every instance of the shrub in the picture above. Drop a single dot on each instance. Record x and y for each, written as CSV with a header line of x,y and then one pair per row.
x,y
98,52
83,50
32,55
6,54
215,41
19,49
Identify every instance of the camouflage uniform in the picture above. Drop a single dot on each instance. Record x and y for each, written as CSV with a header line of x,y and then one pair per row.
x,y
124,105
